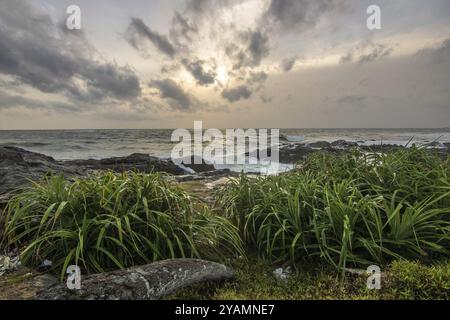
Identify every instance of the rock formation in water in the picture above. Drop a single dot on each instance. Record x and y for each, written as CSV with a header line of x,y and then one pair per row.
x,y
18,167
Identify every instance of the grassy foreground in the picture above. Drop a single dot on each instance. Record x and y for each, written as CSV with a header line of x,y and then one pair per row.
x,y
111,221
402,280
352,209
331,213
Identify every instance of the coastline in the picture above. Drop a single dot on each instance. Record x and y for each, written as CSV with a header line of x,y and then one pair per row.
x,y
100,144
18,166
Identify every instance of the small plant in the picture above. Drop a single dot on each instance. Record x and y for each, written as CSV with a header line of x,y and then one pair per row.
x,y
111,221
353,208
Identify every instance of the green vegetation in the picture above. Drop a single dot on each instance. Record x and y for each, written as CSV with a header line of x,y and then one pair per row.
x,y
332,212
347,209
111,221
402,280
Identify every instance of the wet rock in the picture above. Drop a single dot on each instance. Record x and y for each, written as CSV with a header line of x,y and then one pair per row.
x,y
319,145
198,165
150,282
258,154
283,138
18,165
137,161
287,153
343,144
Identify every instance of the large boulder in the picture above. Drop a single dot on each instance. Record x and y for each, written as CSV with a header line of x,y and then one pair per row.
x,y
319,145
137,161
18,166
150,282
343,144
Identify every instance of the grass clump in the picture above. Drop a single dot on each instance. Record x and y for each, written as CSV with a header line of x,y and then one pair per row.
x,y
347,209
110,221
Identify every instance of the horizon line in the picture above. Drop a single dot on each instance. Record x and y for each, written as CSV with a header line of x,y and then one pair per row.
x,y
206,128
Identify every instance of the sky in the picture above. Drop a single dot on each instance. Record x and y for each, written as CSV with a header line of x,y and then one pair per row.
x,y
229,63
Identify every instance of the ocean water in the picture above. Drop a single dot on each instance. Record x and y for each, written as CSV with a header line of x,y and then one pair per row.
x,y
98,144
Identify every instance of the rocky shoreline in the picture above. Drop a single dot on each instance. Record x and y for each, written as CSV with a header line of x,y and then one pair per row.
x,y
19,166
294,152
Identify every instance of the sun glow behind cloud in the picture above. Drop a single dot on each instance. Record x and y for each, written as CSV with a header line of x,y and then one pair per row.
x,y
222,74
225,58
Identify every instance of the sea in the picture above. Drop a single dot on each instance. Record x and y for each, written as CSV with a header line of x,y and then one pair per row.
x,y
105,143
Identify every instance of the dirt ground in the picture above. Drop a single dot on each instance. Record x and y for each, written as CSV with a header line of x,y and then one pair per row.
x,y
23,283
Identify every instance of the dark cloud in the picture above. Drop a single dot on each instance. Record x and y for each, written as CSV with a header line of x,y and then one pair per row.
x,y
10,101
301,14
35,52
366,52
258,46
347,58
266,99
192,16
377,52
138,31
258,77
200,8
237,93
438,55
288,63
198,71
169,89
171,68
118,82
255,47
236,54
182,28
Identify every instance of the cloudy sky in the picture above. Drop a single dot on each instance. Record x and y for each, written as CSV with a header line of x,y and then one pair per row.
x,y
230,63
